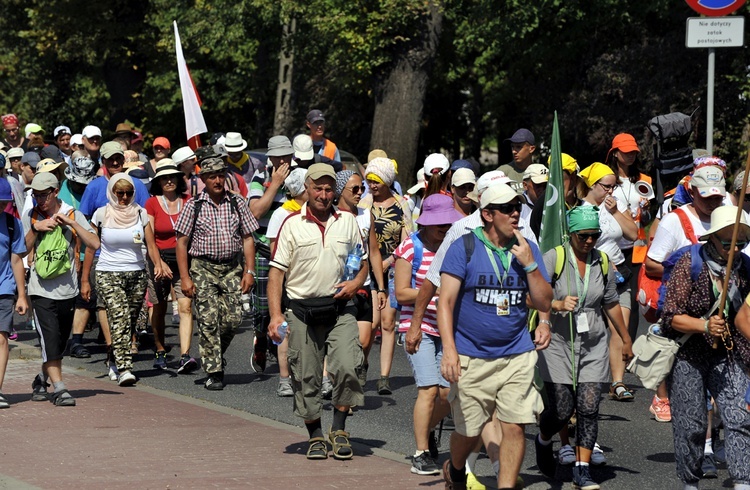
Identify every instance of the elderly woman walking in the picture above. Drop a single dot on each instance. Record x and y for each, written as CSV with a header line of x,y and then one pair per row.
x,y
716,356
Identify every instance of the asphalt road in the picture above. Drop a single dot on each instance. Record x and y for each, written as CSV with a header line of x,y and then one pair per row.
x,y
639,450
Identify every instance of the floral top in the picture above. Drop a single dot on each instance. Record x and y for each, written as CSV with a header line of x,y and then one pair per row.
x,y
683,297
388,222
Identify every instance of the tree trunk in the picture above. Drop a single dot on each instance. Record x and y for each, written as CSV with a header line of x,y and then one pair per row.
x,y
282,121
398,105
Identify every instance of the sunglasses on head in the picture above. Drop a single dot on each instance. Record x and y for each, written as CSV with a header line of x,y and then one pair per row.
x,y
728,245
585,236
124,193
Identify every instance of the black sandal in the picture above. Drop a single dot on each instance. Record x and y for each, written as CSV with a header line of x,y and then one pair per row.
x,y
318,448
61,401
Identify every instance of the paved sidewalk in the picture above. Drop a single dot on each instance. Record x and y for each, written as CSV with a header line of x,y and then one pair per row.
x,y
140,437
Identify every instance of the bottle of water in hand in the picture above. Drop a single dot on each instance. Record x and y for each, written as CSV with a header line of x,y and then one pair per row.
x,y
282,333
353,264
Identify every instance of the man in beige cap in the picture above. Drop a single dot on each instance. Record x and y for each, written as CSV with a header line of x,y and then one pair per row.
x,y
320,314
535,180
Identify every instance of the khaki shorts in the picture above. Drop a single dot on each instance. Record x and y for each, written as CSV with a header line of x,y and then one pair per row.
x,y
504,385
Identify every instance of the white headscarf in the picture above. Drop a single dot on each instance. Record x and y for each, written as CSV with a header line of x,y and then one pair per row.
x,y
115,214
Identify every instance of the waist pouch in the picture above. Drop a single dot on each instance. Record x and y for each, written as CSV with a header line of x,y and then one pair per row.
x,y
168,255
317,311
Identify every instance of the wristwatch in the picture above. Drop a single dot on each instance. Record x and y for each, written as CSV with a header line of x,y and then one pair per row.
x,y
251,272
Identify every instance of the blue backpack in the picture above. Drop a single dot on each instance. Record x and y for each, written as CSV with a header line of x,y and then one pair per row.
x,y
416,262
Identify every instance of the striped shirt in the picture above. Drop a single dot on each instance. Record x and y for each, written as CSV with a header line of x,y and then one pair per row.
x,y
429,322
216,234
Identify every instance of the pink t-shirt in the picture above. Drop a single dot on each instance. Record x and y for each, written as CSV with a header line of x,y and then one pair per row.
x,y
429,322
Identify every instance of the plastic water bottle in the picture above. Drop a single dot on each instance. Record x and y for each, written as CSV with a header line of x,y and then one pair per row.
x,y
282,333
619,279
655,329
353,263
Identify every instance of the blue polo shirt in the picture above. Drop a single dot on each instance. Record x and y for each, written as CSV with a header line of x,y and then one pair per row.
x,y
479,331
95,195
7,281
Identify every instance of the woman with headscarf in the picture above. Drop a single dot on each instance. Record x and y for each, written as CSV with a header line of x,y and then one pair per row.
x,y
573,379
123,226
391,224
599,183
691,306
374,292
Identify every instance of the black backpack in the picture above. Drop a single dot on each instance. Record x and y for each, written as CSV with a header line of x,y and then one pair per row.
x,y
199,204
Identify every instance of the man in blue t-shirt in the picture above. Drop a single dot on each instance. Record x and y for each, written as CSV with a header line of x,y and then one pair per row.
x,y
488,355
95,195
12,277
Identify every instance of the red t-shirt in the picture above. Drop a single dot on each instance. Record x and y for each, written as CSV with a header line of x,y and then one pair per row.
x,y
163,222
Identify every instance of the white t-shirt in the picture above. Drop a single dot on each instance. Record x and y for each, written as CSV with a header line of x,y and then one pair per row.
x,y
275,221
611,234
122,248
671,236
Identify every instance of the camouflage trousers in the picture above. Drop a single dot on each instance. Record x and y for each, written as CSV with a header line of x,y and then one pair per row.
x,y
122,294
218,308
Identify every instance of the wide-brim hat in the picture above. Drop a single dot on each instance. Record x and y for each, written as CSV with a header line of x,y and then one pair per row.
x,y
438,209
723,217
279,146
233,142
49,165
419,185
166,166
81,169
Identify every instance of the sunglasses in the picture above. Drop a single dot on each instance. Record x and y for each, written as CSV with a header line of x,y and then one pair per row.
x,y
509,208
585,236
727,245
356,189
124,193
42,197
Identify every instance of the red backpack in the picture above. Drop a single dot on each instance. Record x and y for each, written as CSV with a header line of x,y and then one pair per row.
x,y
648,287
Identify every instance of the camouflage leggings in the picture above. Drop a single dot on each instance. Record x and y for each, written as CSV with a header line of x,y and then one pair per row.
x,y
122,294
218,308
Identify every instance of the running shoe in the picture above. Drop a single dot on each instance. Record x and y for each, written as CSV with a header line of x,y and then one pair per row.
x,y
473,484
215,382
112,371
384,386
13,334
423,464
160,362
582,479
187,364
566,455
126,378
285,389
660,409
597,456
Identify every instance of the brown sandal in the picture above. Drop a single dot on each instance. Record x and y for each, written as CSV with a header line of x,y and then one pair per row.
x,y
318,449
341,447
624,393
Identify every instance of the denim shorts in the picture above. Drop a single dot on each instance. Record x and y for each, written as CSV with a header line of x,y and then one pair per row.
x,y
426,362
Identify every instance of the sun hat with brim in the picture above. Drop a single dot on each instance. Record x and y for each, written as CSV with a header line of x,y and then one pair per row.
x,y
49,165
319,170
166,166
419,185
723,217
438,209
233,142
497,194
709,181
82,169
182,154
44,181
463,176
279,146
15,153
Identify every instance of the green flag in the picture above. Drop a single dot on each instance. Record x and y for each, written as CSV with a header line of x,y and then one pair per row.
x,y
554,224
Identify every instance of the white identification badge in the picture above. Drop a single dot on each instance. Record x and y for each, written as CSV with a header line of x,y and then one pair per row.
x,y
137,237
582,323
503,304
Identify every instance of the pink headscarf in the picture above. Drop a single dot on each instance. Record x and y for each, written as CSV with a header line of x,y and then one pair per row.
x,y
115,214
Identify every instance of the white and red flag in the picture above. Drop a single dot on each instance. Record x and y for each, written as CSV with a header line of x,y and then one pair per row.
x,y
191,101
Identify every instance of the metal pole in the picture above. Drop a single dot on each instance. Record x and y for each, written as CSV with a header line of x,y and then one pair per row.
x,y
710,102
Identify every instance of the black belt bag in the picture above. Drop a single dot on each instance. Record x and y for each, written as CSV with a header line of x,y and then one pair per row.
x,y
168,255
316,311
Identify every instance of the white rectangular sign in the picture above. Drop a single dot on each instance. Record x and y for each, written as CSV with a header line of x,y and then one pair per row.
x,y
715,32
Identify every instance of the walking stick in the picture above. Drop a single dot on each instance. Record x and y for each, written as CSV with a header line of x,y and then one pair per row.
x,y
735,231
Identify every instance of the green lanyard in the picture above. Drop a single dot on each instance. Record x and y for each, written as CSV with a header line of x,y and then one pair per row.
x,y
586,277
504,254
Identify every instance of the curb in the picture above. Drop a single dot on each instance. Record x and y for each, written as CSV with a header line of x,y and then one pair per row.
x,y
19,350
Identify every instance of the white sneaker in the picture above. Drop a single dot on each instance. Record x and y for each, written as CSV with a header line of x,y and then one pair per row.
x,y
597,456
112,372
566,455
126,379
